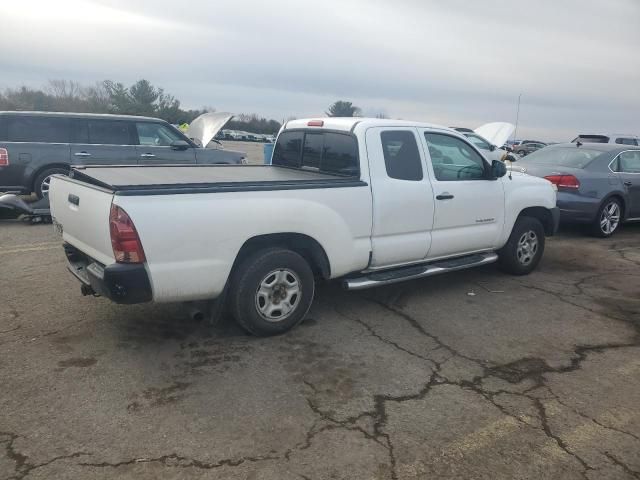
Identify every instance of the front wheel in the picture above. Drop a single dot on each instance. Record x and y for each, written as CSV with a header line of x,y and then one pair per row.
x,y
271,291
525,247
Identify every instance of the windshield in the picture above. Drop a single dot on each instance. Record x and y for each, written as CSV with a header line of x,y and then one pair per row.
x,y
571,157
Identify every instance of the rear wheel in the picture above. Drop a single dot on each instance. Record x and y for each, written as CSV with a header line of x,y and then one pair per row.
x,y
608,219
525,247
522,152
43,180
271,291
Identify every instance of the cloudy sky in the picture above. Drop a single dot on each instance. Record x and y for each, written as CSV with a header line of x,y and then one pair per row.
x,y
454,62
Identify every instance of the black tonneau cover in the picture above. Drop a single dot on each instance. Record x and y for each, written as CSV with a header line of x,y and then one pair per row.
x,y
176,179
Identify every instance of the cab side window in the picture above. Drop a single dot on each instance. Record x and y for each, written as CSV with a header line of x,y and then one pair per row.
x,y
453,159
401,155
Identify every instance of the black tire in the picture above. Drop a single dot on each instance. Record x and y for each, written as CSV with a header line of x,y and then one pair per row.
x,y
604,216
514,257
279,267
39,182
522,152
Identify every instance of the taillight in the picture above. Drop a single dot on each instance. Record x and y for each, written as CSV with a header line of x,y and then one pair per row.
x,y
315,123
125,241
564,181
4,157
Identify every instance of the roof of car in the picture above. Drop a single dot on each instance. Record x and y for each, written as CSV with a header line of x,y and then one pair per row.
x,y
348,124
604,147
81,115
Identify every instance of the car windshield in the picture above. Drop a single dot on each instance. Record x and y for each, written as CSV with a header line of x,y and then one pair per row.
x,y
571,157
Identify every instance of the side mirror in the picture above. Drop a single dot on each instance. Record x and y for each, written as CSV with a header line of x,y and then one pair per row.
x,y
492,148
510,157
180,145
498,169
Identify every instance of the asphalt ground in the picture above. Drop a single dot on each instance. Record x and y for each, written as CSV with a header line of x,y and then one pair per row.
x,y
472,375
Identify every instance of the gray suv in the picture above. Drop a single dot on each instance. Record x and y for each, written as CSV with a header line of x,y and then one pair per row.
x,y
36,145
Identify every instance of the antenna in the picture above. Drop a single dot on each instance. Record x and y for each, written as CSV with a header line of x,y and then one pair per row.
x,y
515,132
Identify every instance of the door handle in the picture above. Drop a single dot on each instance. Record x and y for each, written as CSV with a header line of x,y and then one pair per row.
x,y
147,155
628,184
444,196
82,154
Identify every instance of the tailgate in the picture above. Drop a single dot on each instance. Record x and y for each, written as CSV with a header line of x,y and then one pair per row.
x,y
82,211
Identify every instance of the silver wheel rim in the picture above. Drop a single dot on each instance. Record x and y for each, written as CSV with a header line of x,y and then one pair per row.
x,y
44,187
527,247
278,295
610,218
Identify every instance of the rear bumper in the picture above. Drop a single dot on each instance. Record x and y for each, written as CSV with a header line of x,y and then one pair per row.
x,y
576,208
119,282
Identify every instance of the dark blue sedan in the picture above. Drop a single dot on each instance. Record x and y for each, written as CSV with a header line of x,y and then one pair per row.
x,y
598,184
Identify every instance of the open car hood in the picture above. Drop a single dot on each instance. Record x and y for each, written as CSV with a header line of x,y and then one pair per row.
x,y
207,126
497,132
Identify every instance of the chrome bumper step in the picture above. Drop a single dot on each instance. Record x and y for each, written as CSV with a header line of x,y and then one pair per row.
x,y
387,277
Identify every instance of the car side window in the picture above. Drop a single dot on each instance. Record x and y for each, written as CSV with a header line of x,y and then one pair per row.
x,y
629,162
108,132
626,141
155,134
38,129
453,159
401,155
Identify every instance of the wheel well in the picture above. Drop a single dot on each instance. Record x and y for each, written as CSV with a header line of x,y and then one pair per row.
x,y
618,197
542,214
302,244
35,174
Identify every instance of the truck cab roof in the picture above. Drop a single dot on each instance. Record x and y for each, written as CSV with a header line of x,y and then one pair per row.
x,y
349,124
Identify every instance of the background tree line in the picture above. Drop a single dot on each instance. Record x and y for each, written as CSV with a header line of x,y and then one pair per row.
x,y
141,98
107,96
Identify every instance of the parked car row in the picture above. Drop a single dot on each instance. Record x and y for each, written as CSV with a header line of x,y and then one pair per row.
x,y
245,136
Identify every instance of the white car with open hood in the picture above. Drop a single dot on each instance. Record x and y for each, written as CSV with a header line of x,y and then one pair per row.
x,y
489,138
368,201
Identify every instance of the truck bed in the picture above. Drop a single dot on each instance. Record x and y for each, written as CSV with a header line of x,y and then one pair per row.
x,y
177,179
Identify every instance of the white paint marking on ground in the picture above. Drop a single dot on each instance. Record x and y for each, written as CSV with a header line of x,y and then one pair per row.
x,y
29,249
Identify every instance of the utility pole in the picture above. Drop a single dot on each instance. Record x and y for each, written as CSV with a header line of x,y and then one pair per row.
x,y
515,132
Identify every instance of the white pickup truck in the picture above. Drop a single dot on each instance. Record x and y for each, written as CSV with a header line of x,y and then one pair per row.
x,y
368,201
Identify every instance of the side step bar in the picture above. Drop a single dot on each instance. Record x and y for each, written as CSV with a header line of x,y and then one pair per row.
x,y
387,277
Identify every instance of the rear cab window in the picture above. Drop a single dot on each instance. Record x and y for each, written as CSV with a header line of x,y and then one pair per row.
x,y
330,152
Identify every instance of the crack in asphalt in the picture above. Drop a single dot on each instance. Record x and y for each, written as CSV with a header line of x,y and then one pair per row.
x,y
178,461
622,465
22,466
584,415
